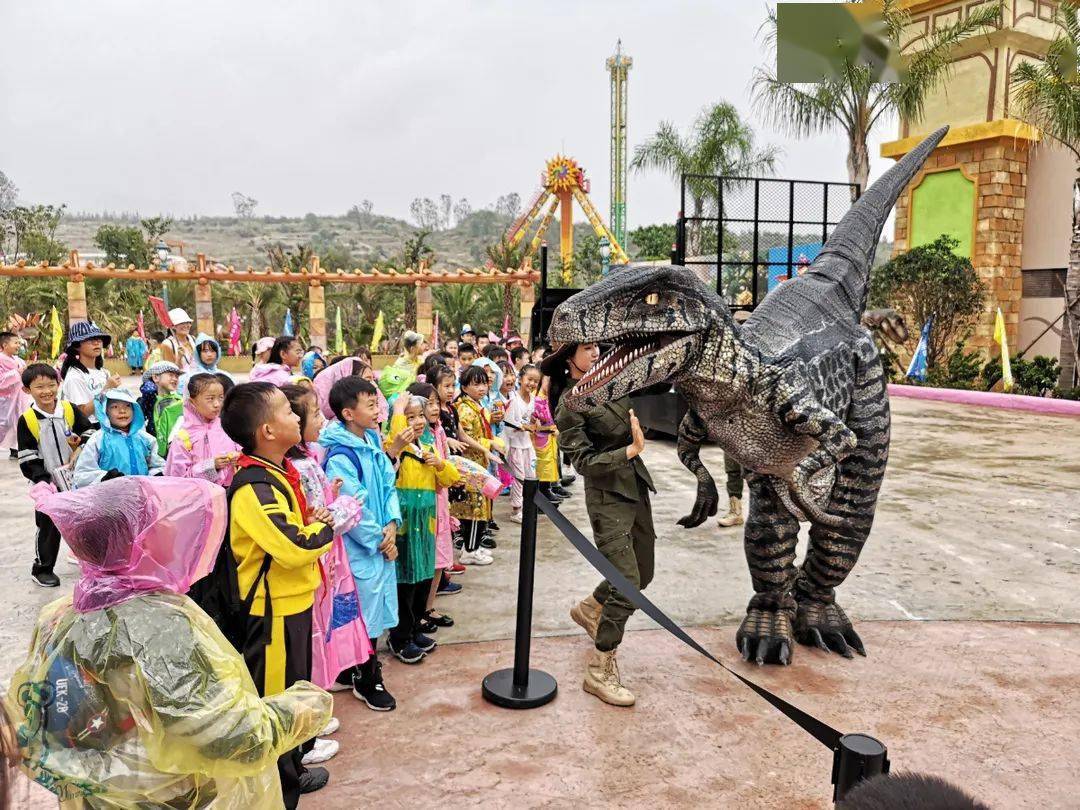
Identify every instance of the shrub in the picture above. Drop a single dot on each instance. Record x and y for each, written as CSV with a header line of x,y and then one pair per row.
x,y
961,370
931,281
1031,377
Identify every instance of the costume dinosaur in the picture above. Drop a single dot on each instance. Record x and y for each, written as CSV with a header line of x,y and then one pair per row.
x,y
797,395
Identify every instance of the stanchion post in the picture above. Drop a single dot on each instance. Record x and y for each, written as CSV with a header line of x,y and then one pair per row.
x,y
522,687
858,757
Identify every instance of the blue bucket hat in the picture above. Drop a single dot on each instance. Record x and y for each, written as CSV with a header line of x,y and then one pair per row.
x,y
86,330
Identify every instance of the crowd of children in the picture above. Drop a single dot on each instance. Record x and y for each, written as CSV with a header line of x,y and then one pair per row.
x,y
349,492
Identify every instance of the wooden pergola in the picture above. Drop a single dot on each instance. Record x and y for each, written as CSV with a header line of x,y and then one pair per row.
x,y
202,273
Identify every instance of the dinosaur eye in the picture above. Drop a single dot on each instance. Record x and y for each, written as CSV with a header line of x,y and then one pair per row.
x,y
652,299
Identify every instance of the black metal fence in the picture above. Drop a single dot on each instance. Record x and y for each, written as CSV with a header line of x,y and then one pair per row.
x,y
746,234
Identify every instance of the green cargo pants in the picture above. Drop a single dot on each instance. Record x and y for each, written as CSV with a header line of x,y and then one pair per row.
x,y
623,533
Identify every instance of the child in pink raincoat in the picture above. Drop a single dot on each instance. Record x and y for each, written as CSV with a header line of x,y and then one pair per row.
x,y
340,638
199,447
13,400
345,367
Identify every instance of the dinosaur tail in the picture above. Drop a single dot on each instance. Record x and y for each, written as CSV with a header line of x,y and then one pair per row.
x,y
849,253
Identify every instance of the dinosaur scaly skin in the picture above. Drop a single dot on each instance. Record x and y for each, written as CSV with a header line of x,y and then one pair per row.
x,y
797,395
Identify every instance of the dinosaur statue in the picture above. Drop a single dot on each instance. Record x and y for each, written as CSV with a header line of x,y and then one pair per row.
x,y
796,394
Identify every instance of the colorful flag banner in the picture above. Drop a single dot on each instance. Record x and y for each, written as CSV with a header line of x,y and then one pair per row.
x,y
435,332
376,336
140,325
506,326
917,368
234,333
1002,341
161,310
57,333
339,337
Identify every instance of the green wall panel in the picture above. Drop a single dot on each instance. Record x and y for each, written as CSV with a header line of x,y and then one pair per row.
x,y
944,203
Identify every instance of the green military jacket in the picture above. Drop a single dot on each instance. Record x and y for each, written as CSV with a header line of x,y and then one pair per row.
x,y
596,443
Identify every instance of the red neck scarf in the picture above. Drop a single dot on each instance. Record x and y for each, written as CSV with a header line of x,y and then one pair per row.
x,y
287,471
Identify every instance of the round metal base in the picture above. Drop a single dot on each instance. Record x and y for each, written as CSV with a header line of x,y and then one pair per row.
x,y
498,688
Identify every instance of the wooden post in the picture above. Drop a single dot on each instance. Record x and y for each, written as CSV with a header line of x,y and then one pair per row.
x,y
528,298
317,307
425,322
76,293
204,304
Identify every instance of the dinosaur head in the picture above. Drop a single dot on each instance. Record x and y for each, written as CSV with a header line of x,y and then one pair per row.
x,y
655,317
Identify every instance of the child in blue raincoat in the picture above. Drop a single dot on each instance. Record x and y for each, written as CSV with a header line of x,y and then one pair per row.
x,y
135,352
355,455
121,447
207,357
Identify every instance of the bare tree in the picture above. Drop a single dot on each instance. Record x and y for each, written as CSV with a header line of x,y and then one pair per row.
x,y
243,205
508,205
446,208
462,211
9,193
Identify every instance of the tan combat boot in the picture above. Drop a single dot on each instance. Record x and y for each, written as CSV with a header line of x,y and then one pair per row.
x,y
602,679
587,614
734,516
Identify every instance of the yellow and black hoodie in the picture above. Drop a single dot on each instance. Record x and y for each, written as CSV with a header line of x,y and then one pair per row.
x,y
269,520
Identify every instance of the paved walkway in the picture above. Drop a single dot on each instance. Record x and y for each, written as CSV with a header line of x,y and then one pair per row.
x,y
978,520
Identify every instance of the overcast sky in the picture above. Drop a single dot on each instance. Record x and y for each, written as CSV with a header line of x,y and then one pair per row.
x,y
171,106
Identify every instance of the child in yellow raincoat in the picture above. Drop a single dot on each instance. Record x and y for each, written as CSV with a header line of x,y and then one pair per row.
x,y
130,695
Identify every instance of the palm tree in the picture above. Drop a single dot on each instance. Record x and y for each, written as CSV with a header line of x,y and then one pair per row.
x,y
478,304
1047,96
719,143
856,101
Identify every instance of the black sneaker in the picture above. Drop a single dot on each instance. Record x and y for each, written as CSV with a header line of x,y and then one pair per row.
x,y
487,541
558,490
46,579
459,541
439,619
493,526
424,643
373,691
407,654
567,480
428,626
314,779
14,454
343,682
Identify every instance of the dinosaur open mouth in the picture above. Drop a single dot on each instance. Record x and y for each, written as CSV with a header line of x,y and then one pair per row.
x,y
630,348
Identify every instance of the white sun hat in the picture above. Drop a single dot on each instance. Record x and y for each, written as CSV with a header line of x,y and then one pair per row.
x,y
179,316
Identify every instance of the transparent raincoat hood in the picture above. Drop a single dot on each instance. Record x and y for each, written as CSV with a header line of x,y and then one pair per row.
x,y
139,535
135,698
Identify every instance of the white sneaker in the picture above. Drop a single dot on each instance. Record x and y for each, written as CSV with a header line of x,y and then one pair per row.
x,y
485,552
515,517
331,727
323,750
474,558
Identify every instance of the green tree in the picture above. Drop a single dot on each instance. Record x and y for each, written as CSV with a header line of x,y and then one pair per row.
x,y
1047,94
855,102
719,143
652,242
413,252
34,228
477,304
122,245
931,281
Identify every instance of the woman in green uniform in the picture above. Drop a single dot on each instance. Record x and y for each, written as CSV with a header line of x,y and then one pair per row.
x,y
604,445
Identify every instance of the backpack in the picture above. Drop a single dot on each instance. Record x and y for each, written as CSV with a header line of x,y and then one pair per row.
x,y
350,454
34,425
218,593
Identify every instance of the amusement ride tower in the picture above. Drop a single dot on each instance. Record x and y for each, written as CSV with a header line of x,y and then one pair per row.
x,y
619,67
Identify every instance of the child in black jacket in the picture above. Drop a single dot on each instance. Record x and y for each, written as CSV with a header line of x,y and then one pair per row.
x,y
48,433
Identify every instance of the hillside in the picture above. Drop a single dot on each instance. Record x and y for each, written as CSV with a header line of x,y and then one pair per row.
x,y
361,240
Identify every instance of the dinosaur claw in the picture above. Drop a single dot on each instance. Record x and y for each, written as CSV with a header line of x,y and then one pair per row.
x,y
818,641
855,642
762,651
746,648
784,655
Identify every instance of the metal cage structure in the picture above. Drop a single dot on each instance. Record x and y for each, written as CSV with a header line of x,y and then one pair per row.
x,y
745,235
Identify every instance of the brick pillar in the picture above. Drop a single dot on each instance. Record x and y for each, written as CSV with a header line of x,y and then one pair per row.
x,y
204,307
1000,168
528,298
317,314
424,310
76,300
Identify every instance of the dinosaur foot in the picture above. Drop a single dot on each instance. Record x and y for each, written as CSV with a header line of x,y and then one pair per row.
x,y
765,635
705,506
825,625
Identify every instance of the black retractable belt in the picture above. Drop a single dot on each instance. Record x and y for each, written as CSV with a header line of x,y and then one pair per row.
x,y
855,756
